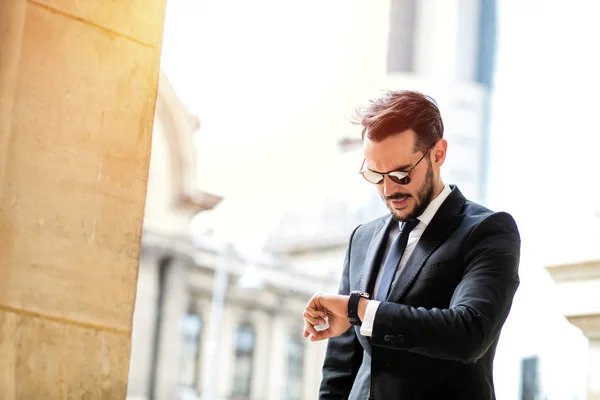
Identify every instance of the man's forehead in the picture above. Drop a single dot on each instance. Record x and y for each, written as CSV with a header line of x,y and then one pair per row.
x,y
389,151
403,142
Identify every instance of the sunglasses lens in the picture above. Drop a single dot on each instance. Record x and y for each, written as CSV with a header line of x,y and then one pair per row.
x,y
372,177
401,178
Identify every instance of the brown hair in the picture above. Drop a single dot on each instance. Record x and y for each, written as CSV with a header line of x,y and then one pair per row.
x,y
398,111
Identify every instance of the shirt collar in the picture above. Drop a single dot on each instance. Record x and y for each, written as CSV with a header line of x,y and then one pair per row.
x,y
435,204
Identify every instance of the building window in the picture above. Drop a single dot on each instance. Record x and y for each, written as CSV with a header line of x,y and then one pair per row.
x,y
189,368
401,36
486,62
530,379
244,357
295,368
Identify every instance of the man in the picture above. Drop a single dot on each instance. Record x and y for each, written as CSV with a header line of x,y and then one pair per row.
x,y
425,290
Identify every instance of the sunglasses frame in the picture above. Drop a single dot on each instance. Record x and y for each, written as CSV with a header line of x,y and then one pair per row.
x,y
405,180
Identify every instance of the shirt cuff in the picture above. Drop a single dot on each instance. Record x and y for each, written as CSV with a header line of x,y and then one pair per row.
x,y
366,329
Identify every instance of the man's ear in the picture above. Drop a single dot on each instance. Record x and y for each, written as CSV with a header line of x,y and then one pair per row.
x,y
439,152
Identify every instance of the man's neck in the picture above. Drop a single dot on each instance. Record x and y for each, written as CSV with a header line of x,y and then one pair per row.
x,y
439,186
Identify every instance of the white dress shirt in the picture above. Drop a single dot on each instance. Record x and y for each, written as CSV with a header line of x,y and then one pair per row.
x,y
366,328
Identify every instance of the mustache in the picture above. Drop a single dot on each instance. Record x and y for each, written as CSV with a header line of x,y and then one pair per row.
x,y
397,196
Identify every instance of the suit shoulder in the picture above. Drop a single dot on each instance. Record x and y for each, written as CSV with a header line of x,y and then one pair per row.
x,y
482,218
370,226
363,233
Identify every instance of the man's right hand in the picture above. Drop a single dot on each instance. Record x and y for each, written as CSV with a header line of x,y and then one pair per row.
x,y
332,306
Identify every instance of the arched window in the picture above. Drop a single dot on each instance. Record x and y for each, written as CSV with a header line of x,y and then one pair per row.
x,y
244,357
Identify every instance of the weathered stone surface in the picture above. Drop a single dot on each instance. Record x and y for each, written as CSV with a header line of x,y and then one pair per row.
x,y
76,171
140,20
8,350
53,360
78,85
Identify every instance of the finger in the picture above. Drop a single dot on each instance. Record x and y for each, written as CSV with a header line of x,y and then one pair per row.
x,y
321,335
313,312
315,308
310,329
313,320
315,302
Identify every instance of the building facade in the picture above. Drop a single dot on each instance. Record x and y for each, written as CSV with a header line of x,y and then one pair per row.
x,y
209,322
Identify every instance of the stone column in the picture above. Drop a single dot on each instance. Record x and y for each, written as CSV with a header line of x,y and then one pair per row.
x,y
203,303
590,326
594,369
175,302
578,288
225,362
278,362
144,325
313,365
78,85
263,349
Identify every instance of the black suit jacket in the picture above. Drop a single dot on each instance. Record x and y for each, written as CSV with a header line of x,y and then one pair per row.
x,y
436,335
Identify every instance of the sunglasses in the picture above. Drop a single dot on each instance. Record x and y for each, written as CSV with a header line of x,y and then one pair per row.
x,y
399,177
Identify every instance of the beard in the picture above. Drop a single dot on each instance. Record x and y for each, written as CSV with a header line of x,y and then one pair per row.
x,y
424,197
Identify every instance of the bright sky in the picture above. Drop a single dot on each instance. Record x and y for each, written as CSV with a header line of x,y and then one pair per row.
x,y
545,129
263,75
265,81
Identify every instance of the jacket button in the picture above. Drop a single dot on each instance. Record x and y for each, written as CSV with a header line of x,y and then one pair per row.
x,y
393,340
400,338
386,338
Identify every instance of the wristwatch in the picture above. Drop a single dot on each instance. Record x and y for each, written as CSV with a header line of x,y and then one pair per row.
x,y
355,296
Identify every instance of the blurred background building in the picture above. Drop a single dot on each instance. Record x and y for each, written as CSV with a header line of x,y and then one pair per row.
x,y
209,320
223,279
461,38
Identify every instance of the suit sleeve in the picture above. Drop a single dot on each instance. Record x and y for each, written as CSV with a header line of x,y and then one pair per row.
x,y
478,308
344,353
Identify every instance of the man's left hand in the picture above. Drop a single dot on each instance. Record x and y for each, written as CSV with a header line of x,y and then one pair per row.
x,y
332,306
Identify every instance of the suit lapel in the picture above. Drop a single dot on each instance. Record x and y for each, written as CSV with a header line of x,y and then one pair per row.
x,y
444,222
375,246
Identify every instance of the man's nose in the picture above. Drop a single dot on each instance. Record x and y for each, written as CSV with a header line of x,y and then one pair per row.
x,y
388,186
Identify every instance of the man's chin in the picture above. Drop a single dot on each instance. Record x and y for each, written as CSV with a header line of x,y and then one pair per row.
x,y
402,215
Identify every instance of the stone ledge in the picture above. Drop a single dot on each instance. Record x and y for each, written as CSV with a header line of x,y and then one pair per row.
x,y
588,323
582,271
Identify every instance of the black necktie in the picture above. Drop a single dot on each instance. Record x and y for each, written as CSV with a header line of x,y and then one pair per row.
x,y
393,259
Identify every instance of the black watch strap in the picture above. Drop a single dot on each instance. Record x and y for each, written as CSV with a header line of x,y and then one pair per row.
x,y
353,306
